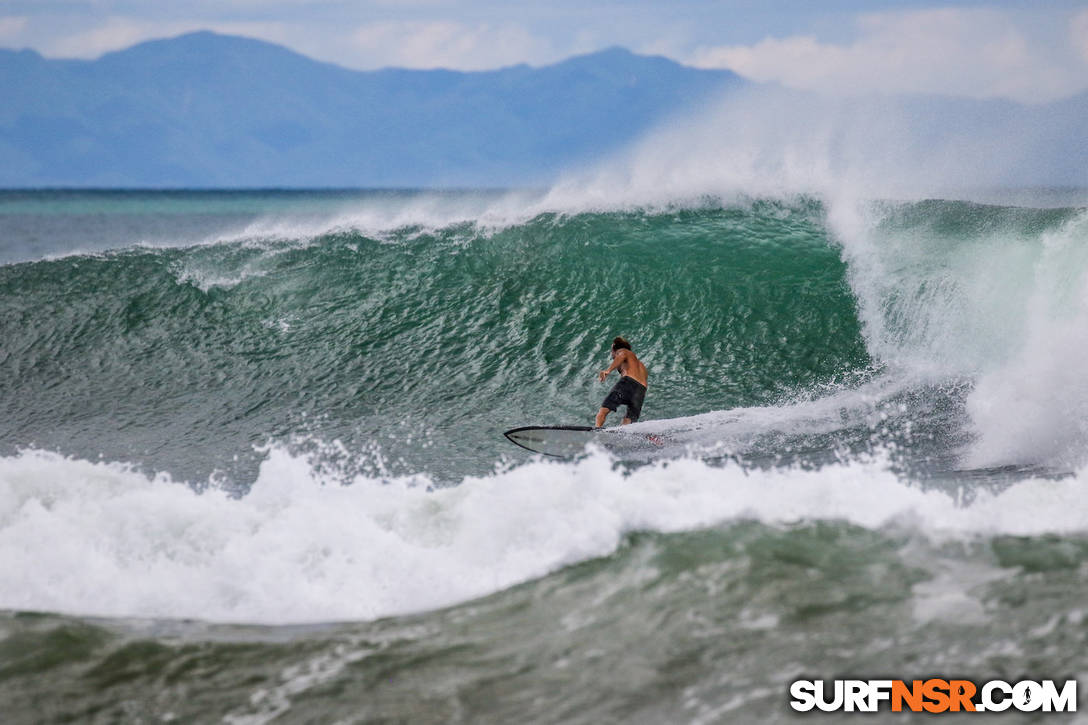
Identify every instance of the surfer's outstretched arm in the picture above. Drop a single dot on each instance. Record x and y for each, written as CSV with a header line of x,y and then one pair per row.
x,y
617,360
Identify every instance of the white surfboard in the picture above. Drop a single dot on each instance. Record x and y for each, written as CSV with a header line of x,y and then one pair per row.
x,y
567,441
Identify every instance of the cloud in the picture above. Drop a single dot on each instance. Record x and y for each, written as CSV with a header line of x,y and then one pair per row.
x,y
12,26
979,53
1078,32
447,44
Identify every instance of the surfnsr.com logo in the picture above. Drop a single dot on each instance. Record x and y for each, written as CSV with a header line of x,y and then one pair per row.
x,y
933,695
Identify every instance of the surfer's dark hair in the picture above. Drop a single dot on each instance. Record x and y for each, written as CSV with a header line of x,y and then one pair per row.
x,y
620,344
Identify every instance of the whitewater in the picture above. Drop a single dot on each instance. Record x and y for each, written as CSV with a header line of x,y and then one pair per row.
x,y
386,547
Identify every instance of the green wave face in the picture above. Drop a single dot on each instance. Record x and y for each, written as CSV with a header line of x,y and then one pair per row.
x,y
446,336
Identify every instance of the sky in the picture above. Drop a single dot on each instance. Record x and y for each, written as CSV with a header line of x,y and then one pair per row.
x,y
1031,52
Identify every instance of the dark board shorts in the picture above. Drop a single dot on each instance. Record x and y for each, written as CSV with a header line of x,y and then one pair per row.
x,y
629,392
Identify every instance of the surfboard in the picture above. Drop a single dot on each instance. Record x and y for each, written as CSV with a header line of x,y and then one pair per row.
x,y
567,441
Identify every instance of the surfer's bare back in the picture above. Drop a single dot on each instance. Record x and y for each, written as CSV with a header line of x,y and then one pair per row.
x,y
631,388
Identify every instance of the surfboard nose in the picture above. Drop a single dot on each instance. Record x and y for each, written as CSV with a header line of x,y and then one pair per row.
x,y
558,441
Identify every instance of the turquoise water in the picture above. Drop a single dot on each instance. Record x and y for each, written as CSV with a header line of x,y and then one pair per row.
x,y
251,462
453,333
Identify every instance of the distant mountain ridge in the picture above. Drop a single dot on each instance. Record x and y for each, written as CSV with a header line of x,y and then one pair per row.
x,y
204,110
208,110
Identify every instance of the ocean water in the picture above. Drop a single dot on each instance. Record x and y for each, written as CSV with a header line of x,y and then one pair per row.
x,y
252,466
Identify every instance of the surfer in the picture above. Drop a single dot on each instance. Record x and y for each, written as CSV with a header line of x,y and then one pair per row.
x,y
631,388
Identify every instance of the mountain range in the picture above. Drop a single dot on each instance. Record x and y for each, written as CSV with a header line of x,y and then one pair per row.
x,y
205,110
208,110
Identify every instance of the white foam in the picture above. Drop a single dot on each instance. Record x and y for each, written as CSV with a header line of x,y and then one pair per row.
x,y
1006,307
380,215
1034,406
100,539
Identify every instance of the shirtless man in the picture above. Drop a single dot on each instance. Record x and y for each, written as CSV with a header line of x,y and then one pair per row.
x,y
631,388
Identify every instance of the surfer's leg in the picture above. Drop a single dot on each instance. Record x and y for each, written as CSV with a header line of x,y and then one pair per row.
x,y
613,400
601,415
634,403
